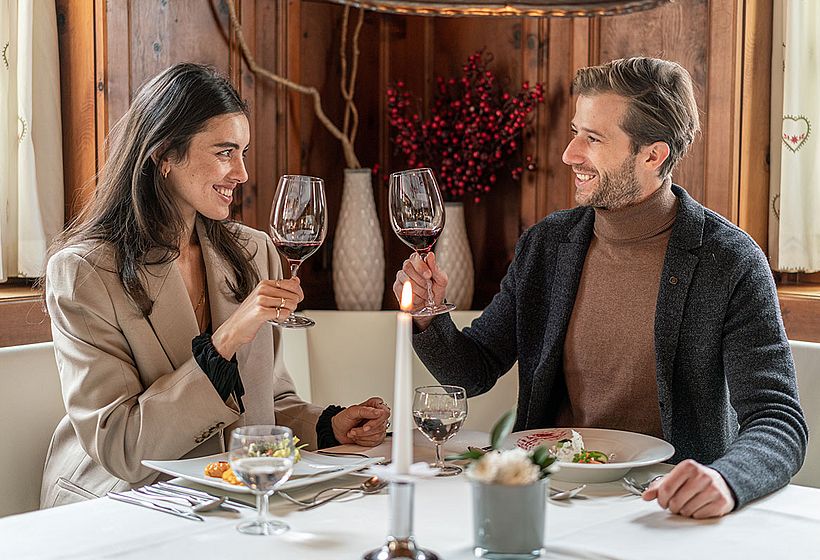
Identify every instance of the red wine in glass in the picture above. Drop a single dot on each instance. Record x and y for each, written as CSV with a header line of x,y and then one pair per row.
x,y
420,239
417,217
296,251
298,222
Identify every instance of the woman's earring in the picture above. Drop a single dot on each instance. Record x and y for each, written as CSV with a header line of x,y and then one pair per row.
x,y
166,172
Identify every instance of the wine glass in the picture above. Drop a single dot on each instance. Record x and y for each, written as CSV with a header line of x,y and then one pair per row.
x,y
439,412
417,217
262,458
298,222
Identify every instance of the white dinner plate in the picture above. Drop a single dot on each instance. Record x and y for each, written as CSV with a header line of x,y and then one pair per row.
x,y
313,468
627,450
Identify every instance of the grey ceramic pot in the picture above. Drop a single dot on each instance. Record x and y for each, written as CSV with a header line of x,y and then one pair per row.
x,y
509,520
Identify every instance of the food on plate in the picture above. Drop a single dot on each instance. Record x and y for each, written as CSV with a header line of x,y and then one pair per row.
x,y
230,477
571,450
223,470
216,469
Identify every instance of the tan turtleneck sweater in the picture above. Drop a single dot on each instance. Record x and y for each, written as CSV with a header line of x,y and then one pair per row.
x,y
609,351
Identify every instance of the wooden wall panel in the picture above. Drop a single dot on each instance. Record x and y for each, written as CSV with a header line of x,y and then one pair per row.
x,y
301,40
23,321
75,29
722,127
753,183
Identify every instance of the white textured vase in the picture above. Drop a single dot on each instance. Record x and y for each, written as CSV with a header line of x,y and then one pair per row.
x,y
453,255
358,249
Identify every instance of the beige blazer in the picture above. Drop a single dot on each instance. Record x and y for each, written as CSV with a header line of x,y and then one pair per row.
x,y
131,386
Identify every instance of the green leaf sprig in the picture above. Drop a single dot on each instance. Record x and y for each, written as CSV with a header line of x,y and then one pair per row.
x,y
502,429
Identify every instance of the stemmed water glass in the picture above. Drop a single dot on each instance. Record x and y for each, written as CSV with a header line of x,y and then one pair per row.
x,y
298,222
262,458
417,217
439,412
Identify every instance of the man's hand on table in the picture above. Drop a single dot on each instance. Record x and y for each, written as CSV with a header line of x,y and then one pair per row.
x,y
692,490
363,424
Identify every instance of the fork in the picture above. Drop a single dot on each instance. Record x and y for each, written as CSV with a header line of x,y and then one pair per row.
x,y
151,492
191,493
638,488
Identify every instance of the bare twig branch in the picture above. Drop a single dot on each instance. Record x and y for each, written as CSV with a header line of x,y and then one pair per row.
x,y
347,146
352,87
343,70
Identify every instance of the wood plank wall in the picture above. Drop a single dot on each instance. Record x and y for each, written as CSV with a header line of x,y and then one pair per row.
x,y
135,40
109,47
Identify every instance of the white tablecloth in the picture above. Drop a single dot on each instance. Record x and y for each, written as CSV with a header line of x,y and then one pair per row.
x,y
607,524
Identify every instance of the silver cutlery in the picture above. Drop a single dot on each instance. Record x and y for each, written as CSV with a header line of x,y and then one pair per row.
x,y
635,487
372,485
190,492
556,494
342,454
152,505
196,503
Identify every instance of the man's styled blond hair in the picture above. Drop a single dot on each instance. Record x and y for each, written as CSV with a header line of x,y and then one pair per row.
x,y
662,106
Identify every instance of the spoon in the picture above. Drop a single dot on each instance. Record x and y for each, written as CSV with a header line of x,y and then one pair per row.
x,y
209,505
566,494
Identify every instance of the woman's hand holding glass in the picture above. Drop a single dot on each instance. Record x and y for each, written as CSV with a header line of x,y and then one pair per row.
x,y
270,300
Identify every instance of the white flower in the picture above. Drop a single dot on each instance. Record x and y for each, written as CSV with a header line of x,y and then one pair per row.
x,y
513,467
486,468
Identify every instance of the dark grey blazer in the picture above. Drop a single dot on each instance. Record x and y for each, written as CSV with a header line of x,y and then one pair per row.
x,y
726,379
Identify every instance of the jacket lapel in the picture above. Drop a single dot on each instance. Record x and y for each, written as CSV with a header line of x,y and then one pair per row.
x,y
172,317
676,277
569,264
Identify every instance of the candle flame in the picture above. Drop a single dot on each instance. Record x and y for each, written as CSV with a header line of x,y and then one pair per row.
x,y
406,296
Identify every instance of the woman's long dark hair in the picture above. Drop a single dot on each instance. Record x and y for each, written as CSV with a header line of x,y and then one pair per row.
x,y
132,210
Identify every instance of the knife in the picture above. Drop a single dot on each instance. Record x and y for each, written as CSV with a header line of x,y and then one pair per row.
x,y
151,505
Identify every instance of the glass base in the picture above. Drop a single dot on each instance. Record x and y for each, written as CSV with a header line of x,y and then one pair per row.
x,y
257,527
294,322
489,555
430,311
447,470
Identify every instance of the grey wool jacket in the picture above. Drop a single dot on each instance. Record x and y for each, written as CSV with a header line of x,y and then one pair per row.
x,y
726,379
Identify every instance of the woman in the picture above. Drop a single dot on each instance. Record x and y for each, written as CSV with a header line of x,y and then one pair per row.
x,y
160,306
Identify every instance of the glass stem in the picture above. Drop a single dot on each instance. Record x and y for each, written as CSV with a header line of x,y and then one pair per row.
x,y
294,267
262,508
431,303
439,460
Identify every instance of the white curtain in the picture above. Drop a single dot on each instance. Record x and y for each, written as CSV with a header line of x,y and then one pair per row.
x,y
794,209
31,157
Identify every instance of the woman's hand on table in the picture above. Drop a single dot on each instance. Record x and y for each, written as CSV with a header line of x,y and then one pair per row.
x,y
270,300
363,424
692,490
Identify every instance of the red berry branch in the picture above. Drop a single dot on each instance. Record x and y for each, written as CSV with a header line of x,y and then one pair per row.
x,y
473,130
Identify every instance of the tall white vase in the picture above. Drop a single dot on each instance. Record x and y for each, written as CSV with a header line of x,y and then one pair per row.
x,y
453,255
358,249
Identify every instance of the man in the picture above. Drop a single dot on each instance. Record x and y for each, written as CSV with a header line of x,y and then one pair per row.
x,y
639,309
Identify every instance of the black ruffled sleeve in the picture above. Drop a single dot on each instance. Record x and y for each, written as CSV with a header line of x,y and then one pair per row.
x,y
324,427
223,374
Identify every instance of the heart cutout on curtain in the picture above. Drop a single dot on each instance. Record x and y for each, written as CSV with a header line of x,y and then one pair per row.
x,y
796,131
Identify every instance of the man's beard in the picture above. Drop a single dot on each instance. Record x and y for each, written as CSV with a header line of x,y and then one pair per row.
x,y
618,189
